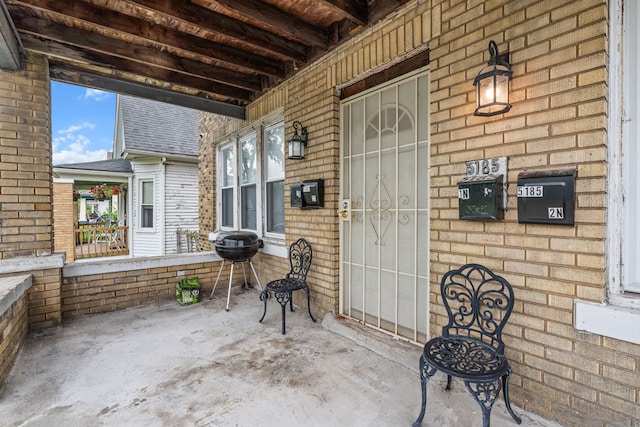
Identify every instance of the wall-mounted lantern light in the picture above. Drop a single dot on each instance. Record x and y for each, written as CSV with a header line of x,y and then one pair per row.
x,y
298,141
492,85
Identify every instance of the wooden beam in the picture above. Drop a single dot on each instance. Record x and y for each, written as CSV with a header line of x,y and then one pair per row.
x,y
9,42
150,92
382,8
410,64
94,42
280,21
55,49
353,10
261,40
143,29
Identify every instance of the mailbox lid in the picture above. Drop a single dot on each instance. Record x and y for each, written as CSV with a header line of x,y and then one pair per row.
x,y
480,198
547,197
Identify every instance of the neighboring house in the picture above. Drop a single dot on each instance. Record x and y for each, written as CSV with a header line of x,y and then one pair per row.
x,y
156,160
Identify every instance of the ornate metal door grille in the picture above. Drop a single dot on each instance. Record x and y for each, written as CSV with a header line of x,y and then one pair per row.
x,y
384,255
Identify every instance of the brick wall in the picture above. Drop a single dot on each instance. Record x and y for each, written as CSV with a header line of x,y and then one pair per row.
x,y
14,322
25,161
559,55
44,298
64,212
558,120
108,286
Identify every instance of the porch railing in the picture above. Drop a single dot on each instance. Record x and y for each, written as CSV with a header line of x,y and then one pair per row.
x,y
94,241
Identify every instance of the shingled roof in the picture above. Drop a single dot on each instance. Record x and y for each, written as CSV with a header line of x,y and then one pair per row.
x,y
152,126
112,165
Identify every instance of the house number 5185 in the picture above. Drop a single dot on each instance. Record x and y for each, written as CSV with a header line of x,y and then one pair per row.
x,y
494,166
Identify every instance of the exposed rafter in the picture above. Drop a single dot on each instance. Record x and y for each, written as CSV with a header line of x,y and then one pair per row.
x,y
223,52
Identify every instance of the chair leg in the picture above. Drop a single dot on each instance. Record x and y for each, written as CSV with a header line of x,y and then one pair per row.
x,y
283,298
486,394
264,296
448,387
426,372
309,304
505,392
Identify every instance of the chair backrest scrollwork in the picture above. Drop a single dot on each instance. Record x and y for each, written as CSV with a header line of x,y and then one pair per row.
x,y
478,304
300,255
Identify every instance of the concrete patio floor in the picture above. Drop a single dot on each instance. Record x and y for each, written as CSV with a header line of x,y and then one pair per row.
x,y
168,365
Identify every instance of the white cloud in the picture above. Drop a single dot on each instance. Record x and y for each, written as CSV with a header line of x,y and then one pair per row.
x,y
96,94
72,147
75,128
71,156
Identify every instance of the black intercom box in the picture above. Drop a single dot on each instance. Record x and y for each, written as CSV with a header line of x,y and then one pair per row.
x,y
296,196
480,198
547,197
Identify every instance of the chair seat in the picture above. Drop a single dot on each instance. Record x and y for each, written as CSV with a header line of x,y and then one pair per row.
x,y
465,358
285,285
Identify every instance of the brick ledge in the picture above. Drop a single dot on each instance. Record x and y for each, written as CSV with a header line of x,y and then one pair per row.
x,y
11,290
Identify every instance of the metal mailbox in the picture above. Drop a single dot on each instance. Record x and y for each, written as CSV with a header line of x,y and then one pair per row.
x,y
312,194
547,197
480,198
308,195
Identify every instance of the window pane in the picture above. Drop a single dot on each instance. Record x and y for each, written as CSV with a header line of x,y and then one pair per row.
x,y
147,217
274,137
227,207
228,167
146,204
248,160
275,207
147,192
248,208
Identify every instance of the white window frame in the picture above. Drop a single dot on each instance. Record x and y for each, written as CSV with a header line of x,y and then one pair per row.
x,y
154,205
258,181
232,143
619,314
274,242
265,159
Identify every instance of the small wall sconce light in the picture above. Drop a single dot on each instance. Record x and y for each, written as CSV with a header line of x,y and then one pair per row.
x,y
298,141
492,85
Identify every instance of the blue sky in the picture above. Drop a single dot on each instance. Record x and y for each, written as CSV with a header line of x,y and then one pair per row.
x,y
82,123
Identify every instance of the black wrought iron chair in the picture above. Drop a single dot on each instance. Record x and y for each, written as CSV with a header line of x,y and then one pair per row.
x,y
300,255
478,305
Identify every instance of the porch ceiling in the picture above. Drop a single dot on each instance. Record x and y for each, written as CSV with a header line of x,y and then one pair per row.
x,y
213,55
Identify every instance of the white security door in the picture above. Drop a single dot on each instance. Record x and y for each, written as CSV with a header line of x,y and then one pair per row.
x,y
384,190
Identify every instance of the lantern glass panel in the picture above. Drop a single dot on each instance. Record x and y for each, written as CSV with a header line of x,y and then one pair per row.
x,y
296,149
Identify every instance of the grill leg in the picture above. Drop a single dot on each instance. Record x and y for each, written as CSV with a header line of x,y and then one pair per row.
x,y
254,274
217,278
246,285
230,279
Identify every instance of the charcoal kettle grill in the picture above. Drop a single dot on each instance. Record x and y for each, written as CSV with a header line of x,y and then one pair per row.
x,y
237,247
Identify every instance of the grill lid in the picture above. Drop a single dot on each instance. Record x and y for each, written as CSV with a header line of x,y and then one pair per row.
x,y
238,239
237,245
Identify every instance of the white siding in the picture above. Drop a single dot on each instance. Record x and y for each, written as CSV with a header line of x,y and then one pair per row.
x,y
147,242
181,202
